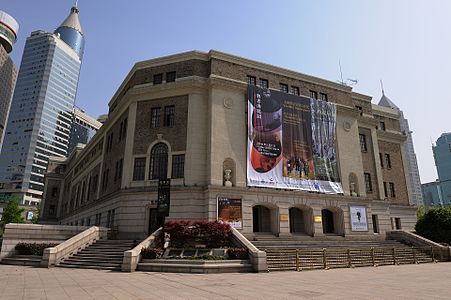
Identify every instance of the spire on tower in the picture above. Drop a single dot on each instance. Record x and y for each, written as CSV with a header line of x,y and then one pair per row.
x,y
70,31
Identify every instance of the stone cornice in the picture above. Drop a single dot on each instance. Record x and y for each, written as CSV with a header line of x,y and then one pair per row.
x,y
391,136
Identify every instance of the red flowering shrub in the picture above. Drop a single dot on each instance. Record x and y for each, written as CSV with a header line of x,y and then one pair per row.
x,y
185,234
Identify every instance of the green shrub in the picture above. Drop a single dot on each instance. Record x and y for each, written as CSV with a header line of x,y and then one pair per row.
x,y
237,253
151,253
33,248
435,225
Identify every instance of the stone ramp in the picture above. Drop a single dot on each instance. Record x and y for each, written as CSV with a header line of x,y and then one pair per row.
x,y
103,254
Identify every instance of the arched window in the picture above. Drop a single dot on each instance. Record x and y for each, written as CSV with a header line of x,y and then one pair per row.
x,y
159,162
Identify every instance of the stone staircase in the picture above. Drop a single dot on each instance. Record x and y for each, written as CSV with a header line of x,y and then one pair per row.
x,y
23,260
289,253
103,254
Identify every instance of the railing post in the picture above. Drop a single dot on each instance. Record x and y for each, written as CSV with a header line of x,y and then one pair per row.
x,y
372,257
297,260
414,256
324,259
349,258
394,255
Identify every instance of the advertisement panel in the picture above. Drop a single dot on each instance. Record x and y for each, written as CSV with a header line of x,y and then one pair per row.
x,y
230,211
291,142
359,221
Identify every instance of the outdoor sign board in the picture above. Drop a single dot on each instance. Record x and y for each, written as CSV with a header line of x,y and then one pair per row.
x,y
230,211
291,142
164,197
359,220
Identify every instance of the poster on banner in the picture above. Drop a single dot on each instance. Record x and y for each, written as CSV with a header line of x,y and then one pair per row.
x,y
359,221
230,211
291,142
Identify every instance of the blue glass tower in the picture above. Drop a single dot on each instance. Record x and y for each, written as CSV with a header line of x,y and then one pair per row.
x,y
442,156
41,116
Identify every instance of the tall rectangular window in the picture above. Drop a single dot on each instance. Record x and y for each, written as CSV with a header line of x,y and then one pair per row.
x,y
385,190
323,97
368,184
251,80
169,114
382,125
284,88
295,90
381,160
392,190
170,76
264,83
155,117
388,160
313,94
375,223
139,168
363,146
157,78
178,166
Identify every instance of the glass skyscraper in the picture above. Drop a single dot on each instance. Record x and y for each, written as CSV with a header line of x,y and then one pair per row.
x,y
40,118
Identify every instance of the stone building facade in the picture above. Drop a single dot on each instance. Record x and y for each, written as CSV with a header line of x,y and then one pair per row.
x,y
184,116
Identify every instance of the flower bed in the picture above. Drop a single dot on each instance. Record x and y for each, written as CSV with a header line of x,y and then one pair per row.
x,y
33,248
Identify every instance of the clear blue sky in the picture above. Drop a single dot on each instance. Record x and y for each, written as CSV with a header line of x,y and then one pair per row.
x,y
405,43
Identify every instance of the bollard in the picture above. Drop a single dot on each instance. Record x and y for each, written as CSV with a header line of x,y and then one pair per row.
x,y
324,259
297,260
349,258
372,257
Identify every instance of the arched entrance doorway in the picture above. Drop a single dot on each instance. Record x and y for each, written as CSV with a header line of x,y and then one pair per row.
x,y
261,219
328,221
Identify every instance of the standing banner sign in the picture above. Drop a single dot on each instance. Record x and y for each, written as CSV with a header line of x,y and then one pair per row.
x,y
359,221
291,142
164,197
230,211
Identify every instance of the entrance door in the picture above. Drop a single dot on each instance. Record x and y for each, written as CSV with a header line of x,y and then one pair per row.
x,y
328,221
153,220
261,220
296,217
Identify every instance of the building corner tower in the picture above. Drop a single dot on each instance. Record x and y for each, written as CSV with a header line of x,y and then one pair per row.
x,y
41,114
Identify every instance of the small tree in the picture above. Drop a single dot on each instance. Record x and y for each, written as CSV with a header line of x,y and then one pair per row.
x,y
436,225
421,211
12,213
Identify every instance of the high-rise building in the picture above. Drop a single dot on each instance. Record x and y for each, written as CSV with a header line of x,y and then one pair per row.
x,y
40,118
8,71
432,194
416,196
442,157
83,129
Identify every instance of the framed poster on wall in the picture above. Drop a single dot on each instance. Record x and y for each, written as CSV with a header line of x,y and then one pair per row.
x,y
230,211
359,221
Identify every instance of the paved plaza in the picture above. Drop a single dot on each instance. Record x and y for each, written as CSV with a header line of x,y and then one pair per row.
x,y
426,281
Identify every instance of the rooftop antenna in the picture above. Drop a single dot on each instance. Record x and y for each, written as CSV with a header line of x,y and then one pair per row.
x,y
76,3
341,73
349,81
382,87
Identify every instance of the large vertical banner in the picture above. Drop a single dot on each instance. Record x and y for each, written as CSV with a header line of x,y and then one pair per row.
x,y
230,211
291,142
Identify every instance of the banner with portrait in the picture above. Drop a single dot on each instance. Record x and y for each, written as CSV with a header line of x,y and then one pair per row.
x,y
291,142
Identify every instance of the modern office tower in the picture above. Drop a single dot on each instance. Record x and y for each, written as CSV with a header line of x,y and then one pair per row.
x,y
8,71
432,194
416,196
41,111
442,157
83,129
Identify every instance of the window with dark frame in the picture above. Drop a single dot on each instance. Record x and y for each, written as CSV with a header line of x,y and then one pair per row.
x,y
178,166
313,94
251,80
382,125
139,168
295,90
158,168
323,97
158,78
264,83
385,190
155,117
363,146
388,160
284,88
381,158
368,184
169,114
171,76
392,190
